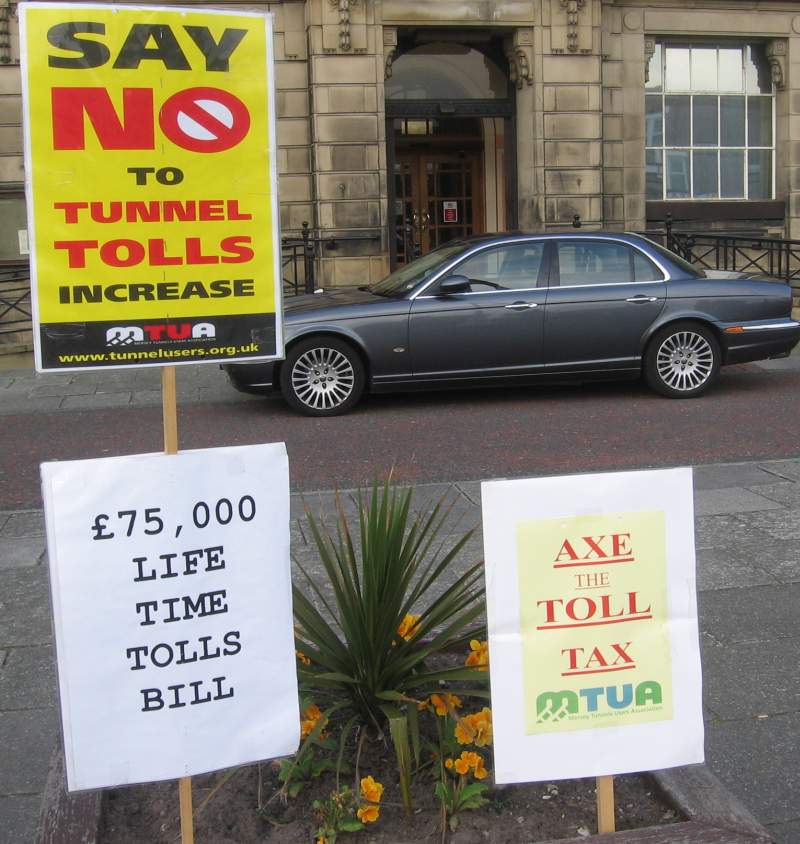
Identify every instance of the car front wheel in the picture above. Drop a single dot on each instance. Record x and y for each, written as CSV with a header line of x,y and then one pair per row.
x,y
682,360
322,376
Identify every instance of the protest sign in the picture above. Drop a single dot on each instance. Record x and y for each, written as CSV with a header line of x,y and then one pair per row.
x,y
593,639
152,185
172,610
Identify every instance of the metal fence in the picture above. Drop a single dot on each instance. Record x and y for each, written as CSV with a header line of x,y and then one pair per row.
x,y
776,257
298,256
15,299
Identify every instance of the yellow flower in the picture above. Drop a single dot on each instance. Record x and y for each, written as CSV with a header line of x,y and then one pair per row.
x,y
303,658
479,655
475,728
371,790
444,703
322,840
480,771
408,626
368,814
461,765
448,763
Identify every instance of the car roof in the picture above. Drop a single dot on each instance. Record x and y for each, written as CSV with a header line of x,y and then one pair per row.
x,y
495,237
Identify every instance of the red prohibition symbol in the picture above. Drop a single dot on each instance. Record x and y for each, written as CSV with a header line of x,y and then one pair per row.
x,y
204,119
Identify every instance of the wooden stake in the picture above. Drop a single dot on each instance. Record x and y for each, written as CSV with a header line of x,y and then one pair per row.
x,y
187,824
169,411
605,805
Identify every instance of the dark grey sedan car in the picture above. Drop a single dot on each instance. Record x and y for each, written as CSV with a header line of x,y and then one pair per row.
x,y
517,309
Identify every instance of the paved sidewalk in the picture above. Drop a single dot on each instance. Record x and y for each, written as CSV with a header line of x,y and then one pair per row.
x,y
747,527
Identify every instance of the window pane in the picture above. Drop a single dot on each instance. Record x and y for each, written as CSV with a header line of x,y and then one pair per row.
x,y
730,69
731,115
756,70
654,174
705,174
654,71
677,174
644,269
677,63
593,263
654,124
759,121
676,118
704,69
731,165
509,267
759,174
704,121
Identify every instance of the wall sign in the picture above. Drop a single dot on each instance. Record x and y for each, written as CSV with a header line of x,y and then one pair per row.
x,y
152,203
449,211
172,610
593,637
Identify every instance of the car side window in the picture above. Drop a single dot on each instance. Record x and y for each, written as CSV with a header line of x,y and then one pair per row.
x,y
644,269
593,262
512,267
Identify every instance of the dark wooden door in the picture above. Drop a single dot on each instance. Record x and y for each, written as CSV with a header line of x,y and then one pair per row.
x,y
438,197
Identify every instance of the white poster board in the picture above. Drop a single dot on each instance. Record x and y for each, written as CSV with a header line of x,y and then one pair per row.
x,y
172,606
592,615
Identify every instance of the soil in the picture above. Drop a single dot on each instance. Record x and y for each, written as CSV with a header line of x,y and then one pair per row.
x,y
519,814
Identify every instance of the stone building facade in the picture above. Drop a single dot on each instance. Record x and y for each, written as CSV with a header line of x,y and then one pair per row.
x,y
403,123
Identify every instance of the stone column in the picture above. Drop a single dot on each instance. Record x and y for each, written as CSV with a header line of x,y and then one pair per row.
x,y
623,72
571,112
346,64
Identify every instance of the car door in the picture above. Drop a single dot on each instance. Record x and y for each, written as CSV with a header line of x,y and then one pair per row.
x,y
604,294
494,327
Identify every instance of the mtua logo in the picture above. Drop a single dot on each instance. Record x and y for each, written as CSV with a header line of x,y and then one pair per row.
x,y
556,706
130,335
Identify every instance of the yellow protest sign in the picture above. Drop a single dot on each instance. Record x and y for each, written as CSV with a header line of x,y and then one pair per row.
x,y
150,153
593,605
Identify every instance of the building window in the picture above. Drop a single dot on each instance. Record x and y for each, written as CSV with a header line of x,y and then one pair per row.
x,y
709,122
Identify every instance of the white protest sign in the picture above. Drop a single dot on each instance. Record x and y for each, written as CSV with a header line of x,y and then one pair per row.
x,y
592,615
172,607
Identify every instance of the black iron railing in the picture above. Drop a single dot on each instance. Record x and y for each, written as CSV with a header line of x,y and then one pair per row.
x,y
298,256
15,299
740,253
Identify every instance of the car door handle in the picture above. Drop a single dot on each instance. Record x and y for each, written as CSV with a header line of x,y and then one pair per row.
x,y
638,300
521,306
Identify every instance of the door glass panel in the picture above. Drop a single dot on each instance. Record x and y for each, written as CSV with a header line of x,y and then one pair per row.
x,y
593,262
514,267
644,269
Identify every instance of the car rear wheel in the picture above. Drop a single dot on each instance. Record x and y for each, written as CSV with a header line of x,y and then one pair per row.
x,y
682,360
322,376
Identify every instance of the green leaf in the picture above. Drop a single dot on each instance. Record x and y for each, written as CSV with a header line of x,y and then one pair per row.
x,y
351,826
398,729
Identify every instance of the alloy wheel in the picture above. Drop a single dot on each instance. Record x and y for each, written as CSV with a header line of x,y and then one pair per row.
x,y
323,378
685,361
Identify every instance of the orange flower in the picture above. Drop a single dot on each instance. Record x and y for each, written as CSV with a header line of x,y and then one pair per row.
x,y
448,763
368,814
478,656
322,840
371,790
308,720
469,761
480,772
475,728
444,703
408,626
302,657
461,765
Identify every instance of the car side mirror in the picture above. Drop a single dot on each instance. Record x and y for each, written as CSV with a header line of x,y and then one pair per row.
x,y
454,284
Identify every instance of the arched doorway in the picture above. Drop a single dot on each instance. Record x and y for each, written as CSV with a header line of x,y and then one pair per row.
x,y
450,110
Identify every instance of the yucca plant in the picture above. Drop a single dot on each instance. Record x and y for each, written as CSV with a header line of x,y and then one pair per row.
x,y
371,645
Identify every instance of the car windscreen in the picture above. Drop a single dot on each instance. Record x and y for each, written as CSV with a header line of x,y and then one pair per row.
x,y
689,269
406,278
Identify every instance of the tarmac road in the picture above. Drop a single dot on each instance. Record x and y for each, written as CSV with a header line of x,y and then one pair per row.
x,y
751,414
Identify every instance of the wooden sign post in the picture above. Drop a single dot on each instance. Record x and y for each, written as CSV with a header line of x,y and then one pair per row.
x,y
605,805
169,412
